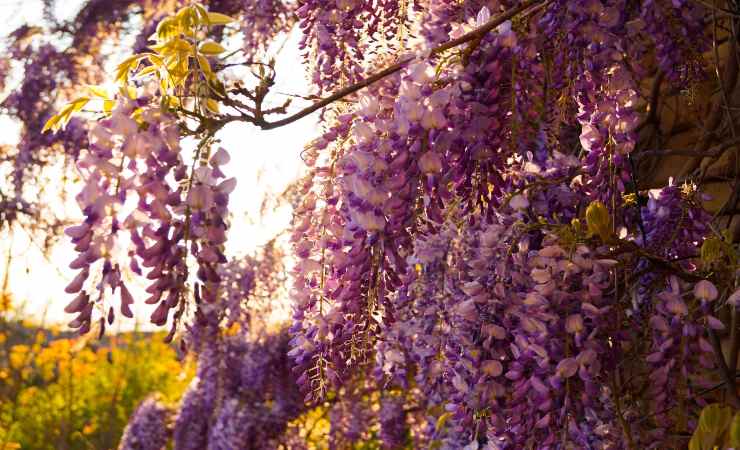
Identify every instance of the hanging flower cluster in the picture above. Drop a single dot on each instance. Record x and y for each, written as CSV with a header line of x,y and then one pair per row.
x,y
340,36
128,158
243,396
149,428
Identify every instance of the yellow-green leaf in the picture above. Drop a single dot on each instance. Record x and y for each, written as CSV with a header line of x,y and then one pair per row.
x,y
187,17
128,92
167,28
155,60
146,72
215,18
598,220
172,101
212,105
161,48
51,123
202,13
181,45
211,48
734,437
108,105
714,423
715,417
442,420
217,87
61,119
136,115
204,65
128,61
126,66
711,250
97,91
64,115
78,104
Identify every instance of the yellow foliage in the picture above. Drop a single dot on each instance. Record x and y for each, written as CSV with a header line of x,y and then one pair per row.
x,y
177,46
211,48
82,392
6,302
719,427
215,19
598,221
314,428
60,120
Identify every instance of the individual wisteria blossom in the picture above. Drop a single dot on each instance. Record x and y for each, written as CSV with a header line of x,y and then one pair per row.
x,y
149,428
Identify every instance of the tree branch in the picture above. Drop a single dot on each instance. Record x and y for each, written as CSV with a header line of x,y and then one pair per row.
x,y
710,153
478,33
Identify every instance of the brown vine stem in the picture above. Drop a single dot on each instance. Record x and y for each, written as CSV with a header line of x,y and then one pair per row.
x,y
728,81
652,116
727,374
478,33
713,152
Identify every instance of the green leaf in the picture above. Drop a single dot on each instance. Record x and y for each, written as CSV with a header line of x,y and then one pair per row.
x,y
733,440
126,66
598,221
211,48
51,123
167,28
97,91
714,423
212,105
715,418
78,104
59,120
215,18
202,13
441,421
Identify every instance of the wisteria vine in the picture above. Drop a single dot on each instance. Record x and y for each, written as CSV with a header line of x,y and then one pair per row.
x,y
510,232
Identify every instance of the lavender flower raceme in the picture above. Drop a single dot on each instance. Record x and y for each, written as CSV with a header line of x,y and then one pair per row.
x,y
149,427
392,423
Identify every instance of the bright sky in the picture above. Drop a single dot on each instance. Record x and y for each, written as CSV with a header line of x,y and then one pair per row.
x,y
263,162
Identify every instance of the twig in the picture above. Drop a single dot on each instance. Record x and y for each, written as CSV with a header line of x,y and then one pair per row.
x,y
478,33
717,9
729,377
734,339
711,153
652,117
